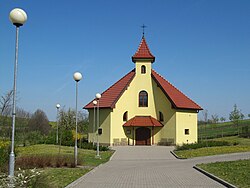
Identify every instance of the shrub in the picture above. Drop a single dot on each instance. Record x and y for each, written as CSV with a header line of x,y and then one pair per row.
x,y
41,161
90,146
245,132
35,137
4,155
203,144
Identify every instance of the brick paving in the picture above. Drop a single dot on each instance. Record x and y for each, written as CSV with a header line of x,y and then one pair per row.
x,y
150,166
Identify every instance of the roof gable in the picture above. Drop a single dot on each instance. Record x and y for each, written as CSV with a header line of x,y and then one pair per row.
x,y
176,97
113,93
143,52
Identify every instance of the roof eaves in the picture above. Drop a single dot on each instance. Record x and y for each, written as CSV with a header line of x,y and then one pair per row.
x,y
123,90
172,102
169,98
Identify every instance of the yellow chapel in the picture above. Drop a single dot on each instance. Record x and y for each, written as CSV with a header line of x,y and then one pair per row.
x,y
143,108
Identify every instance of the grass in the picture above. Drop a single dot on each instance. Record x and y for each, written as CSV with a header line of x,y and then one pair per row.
x,y
60,177
87,157
234,172
219,125
244,146
221,129
233,139
212,151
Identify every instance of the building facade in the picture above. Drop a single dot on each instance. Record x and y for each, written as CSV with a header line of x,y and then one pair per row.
x,y
143,108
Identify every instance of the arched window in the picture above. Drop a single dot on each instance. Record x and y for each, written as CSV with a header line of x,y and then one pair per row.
x,y
125,116
143,69
143,99
161,117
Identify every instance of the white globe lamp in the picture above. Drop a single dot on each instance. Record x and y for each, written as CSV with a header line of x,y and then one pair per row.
x,y
18,17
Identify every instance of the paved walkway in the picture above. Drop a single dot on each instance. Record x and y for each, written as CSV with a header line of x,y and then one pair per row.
x,y
150,167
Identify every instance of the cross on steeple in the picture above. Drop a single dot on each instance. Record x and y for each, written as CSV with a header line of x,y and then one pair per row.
x,y
143,29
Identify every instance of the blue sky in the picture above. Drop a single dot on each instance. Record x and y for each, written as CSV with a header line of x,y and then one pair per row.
x,y
201,46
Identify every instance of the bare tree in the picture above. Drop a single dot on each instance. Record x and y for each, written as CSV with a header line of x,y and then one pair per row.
x,y
5,104
21,113
205,115
215,118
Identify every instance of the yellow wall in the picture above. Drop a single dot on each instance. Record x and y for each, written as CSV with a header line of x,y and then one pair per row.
x,y
105,122
129,101
167,133
157,101
186,120
175,122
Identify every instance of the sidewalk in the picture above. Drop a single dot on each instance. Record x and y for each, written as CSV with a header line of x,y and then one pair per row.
x,y
150,166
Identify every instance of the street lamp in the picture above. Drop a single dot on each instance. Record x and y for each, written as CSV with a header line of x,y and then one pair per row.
x,y
77,77
57,118
94,103
98,96
18,17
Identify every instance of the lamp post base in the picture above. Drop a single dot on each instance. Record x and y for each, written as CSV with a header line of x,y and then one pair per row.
x,y
11,164
75,151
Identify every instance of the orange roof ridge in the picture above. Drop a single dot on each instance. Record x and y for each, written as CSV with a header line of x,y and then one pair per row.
x,y
177,98
143,52
113,93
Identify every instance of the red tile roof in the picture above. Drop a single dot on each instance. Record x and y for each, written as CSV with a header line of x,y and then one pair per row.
x,y
176,97
143,52
112,94
143,121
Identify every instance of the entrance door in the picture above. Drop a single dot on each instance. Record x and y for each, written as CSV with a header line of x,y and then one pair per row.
x,y
143,136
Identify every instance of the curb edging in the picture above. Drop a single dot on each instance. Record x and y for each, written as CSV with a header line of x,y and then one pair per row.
x,y
221,181
176,156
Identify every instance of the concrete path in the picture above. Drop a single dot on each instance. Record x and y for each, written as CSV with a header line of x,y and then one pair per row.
x,y
150,167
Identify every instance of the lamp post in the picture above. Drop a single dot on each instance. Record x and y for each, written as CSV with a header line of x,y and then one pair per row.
x,y
98,96
94,103
57,118
18,17
77,77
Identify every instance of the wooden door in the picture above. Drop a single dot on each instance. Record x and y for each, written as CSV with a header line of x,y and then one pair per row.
x,y
143,136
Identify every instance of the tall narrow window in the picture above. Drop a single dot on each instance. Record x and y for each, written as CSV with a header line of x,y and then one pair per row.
x,y
143,99
143,69
161,117
125,116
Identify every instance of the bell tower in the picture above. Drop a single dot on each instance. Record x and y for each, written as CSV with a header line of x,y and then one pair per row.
x,y
143,58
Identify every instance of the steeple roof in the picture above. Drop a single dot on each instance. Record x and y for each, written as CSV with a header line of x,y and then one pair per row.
x,y
143,52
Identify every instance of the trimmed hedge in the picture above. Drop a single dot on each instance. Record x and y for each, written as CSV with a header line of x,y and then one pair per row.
x,y
203,144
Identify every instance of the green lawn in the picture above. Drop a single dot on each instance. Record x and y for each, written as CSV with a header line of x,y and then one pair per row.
x,y
212,151
233,139
244,146
60,177
234,172
221,129
87,156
